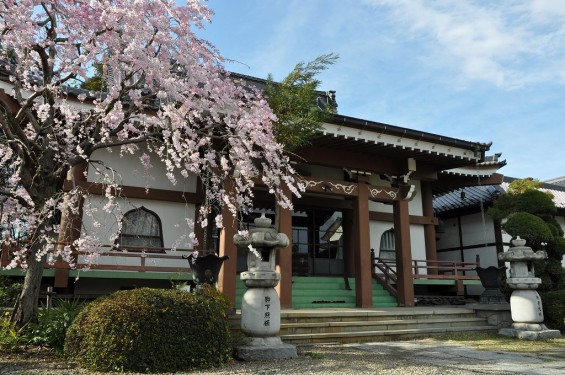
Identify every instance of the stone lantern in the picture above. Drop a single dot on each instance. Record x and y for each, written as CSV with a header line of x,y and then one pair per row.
x,y
260,306
525,302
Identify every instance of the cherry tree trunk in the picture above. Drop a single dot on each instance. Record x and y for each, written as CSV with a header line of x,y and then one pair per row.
x,y
26,306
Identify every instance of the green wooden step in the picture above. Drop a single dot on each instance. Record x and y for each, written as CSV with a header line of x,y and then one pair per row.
x,y
324,292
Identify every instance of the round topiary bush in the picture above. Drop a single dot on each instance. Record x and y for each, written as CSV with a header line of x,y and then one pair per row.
x,y
151,330
536,202
528,226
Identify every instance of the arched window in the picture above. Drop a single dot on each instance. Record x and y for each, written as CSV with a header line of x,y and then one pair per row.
x,y
141,231
387,249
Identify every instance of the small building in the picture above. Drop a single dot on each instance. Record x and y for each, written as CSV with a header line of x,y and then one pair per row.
x,y
467,233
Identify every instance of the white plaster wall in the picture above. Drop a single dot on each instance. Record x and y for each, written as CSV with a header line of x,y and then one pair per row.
x,y
488,256
127,170
450,236
377,228
380,207
418,242
453,255
104,225
172,217
476,232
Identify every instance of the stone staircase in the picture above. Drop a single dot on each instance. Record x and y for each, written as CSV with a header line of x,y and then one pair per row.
x,y
336,325
326,292
334,292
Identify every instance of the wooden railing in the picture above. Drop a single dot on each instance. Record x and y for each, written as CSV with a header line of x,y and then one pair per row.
x,y
387,276
444,269
385,272
148,259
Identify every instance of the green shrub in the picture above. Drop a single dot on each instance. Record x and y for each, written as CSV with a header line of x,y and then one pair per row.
x,y
151,330
554,309
530,227
52,324
536,202
10,289
10,337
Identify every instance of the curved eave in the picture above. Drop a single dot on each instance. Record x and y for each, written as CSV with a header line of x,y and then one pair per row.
x,y
473,171
362,126
375,141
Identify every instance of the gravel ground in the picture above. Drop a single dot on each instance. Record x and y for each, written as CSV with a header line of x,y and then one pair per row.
x,y
317,359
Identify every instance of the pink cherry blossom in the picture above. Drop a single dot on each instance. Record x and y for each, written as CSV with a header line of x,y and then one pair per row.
x,y
164,87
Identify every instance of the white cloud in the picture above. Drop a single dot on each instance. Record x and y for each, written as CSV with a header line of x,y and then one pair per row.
x,y
506,44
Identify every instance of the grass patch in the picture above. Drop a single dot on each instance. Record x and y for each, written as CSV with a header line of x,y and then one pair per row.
x,y
495,342
312,355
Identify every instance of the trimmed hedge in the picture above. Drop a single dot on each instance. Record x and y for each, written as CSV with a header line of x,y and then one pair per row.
x,y
151,330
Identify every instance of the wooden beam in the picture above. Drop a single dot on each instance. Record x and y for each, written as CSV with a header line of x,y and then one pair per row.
x,y
316,201
414,219
351,160
366,162
139,192
352,189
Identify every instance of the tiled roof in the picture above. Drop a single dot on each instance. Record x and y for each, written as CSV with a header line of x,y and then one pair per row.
x,y
475,195
467,197
560,181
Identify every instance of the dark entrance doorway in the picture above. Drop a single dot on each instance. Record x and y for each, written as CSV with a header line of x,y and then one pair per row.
x,y
317,241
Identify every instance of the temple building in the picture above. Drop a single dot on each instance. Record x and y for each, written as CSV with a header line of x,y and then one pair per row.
x,y
369,198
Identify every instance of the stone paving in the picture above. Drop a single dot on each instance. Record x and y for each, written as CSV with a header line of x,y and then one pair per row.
x,y
453,355
418,357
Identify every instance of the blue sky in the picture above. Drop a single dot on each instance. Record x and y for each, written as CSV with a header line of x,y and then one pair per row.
x,y
484,71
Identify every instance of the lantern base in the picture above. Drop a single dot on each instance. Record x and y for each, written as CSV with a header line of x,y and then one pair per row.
x,y
529,331
266,348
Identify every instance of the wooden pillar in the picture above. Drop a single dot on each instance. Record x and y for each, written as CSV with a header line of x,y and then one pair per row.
x,y
5,254
429,229
284,259
349,242
405,282
362,250
228,272
70,226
